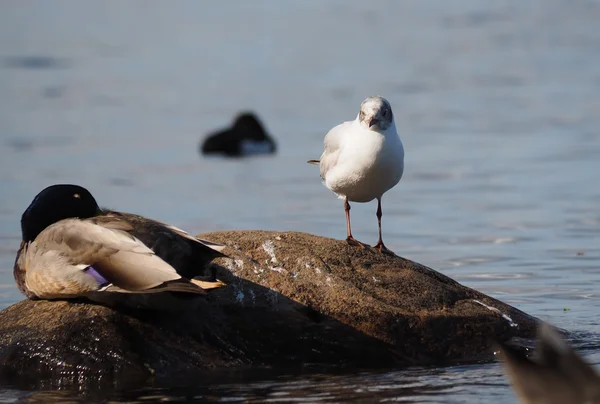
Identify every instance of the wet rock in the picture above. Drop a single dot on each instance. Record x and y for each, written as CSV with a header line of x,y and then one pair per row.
x,y
245,137
293,300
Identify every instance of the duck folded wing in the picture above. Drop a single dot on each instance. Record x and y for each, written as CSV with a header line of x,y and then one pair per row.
x,y
119,257
217,248
213,246
111,222
177,286
139,224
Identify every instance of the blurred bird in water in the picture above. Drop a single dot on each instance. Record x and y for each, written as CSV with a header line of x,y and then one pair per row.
x,y
555,375
245,137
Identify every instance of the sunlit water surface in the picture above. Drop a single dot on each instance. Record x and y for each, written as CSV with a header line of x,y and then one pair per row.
x,y
496,102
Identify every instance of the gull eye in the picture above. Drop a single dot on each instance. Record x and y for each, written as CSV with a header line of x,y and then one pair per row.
x,y
76,196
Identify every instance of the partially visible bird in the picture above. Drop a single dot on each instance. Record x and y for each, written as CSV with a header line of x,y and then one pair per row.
x,y
71,248
245,137
554,375
363,159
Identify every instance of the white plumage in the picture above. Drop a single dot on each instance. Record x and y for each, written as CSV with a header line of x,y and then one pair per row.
x,y
364,158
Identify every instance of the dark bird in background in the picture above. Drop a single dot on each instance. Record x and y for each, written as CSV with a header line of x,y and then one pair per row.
x,y
554,375
71,248
245,137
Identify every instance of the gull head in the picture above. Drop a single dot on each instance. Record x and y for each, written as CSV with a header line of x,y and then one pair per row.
x,y
375,114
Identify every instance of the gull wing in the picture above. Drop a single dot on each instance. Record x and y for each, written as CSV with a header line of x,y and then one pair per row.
x,y
331,147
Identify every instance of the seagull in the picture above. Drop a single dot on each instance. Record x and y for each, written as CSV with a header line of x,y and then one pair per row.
x,y
363,159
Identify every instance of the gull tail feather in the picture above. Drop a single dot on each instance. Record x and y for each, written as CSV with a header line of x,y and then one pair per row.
x,y
315,162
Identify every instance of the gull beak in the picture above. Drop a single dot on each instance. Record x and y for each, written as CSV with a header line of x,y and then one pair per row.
x,y
374,121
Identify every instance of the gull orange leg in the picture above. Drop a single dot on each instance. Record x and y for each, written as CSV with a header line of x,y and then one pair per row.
x,y
380,246
351,240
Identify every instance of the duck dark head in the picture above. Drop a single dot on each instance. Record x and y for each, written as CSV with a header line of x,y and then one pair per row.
x,y
55,203
249,125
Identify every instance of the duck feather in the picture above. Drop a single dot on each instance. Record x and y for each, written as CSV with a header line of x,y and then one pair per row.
x,y
63,250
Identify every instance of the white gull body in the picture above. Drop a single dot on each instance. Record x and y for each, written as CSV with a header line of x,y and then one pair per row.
x,y
364,158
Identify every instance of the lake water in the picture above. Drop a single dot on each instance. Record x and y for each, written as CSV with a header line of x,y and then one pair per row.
x,y
497,104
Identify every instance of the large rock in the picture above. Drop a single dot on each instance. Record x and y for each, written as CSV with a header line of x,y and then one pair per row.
x,y
293,299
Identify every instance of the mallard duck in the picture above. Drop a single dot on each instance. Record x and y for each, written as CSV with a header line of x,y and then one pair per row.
x,y
556,374
71,248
